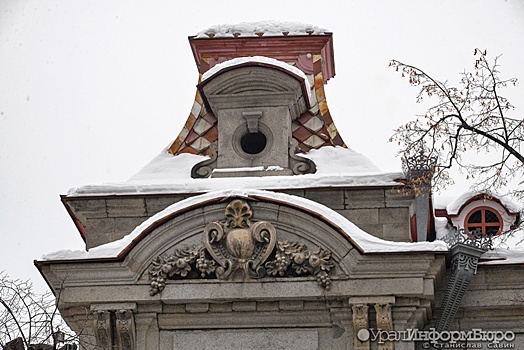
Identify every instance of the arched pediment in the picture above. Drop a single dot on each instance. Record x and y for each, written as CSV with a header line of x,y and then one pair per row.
x,y
257,83
307,240
247,79
242,239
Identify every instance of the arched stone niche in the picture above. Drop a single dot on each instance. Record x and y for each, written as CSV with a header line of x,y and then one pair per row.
x,y
275,242
255,106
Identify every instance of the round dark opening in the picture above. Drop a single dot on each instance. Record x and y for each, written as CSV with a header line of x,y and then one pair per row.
x,y
253,143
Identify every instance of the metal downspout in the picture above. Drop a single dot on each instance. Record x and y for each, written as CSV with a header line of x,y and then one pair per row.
x,y
464,262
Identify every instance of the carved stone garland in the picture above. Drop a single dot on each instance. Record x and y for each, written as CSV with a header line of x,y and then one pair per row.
x,y
239,249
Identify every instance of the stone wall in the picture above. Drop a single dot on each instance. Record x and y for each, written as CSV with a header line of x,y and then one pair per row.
x,y
383,213
494,301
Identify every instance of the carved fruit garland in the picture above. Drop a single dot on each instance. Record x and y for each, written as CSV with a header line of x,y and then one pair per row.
x,y
239,249
293,258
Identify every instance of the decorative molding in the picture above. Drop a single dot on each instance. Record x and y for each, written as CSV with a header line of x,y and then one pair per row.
x,y
294,259
298,164
125,329
419,168
305,63
252,119
103,332
204,169
240,249
473,239
360,324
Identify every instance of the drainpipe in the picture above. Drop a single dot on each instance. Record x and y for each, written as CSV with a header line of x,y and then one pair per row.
x,y
466,249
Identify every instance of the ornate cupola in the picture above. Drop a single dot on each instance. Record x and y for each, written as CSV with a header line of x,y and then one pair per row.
x,y
259,102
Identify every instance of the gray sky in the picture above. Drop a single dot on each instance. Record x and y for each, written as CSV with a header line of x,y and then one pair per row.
x,y
90,91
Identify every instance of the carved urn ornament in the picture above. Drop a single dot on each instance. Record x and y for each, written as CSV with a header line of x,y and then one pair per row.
x,y
240,249
238,245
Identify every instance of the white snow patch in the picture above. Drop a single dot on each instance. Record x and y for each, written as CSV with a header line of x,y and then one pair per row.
x,y
509,249
441,227
367,242
259,59
269,28
230,170
167,166
441,202
336,167
453,207
340,160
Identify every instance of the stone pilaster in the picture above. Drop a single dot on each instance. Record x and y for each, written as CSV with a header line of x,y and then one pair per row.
x,y
147,332
103,331
360,324
360,308
125,330
384,323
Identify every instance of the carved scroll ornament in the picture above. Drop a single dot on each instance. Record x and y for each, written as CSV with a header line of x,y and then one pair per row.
x,y
239,249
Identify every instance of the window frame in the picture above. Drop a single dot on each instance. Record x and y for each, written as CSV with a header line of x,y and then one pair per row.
x,y
483,224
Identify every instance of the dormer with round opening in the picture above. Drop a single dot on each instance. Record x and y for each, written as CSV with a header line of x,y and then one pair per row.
x,y
255,103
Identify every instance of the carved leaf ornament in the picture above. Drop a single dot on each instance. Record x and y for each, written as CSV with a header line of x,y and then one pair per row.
x,y
239,249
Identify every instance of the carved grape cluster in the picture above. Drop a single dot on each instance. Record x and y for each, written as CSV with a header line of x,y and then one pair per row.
x,y
323,280
294,259
181,263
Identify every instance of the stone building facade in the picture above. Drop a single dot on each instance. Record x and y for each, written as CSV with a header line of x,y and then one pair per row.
x,y
258,228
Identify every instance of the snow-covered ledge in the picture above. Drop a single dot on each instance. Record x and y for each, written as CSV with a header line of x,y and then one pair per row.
x,y
366,242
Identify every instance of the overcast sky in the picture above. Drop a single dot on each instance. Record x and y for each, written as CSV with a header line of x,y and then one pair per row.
x,y
90,91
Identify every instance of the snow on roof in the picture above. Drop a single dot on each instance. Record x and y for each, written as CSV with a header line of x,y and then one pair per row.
x,y
454,207
259,59
336,167
441,227
441,202
267,28
367,242
508,249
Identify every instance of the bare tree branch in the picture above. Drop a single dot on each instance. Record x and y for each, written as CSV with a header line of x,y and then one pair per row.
x,y
471,117
27,317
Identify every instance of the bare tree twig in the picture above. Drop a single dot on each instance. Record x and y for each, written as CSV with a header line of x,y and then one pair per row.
x,y
32,318
471,117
